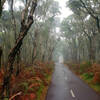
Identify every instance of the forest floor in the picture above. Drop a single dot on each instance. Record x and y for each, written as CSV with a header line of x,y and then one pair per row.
x,y
32,82
90,73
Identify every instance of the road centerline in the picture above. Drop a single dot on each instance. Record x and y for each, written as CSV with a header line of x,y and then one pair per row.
x,y
72,93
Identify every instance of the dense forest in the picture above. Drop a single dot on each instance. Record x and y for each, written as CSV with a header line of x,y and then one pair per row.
x,y
33,37
81,30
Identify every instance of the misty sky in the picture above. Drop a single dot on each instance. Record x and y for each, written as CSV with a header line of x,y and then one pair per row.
x,y
65,11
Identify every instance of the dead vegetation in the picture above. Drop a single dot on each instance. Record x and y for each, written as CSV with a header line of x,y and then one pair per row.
x,y
31,82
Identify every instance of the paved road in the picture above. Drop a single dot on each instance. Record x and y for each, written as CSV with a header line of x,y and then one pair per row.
x,y
67,86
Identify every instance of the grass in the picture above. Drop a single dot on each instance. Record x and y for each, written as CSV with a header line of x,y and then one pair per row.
x,y
87,76
96,87
40,92
42,87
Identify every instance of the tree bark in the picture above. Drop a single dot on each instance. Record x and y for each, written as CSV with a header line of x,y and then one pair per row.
x,y
34,54
18,69
0,56
5,92
91,50
1,6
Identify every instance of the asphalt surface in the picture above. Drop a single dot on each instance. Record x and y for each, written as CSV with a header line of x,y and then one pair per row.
x,y
67,86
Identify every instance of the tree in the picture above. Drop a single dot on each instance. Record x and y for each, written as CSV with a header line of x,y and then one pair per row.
x,y
90,7
81,30
1,6
0,55
26,23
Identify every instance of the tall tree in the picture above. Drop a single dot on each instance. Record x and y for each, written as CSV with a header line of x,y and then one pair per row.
x,y
26,22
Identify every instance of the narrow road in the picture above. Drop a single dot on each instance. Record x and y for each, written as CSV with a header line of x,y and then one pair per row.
x,y
67,86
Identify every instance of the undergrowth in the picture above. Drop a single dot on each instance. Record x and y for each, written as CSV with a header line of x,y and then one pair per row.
x,y
31,81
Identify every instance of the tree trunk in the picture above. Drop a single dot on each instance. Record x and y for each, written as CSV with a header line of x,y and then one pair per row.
x,y
5,92
0,56
1,6
11,59
34,54
91,50
18,63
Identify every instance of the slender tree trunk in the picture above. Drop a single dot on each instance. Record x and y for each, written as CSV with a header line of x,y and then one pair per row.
x,y
0,56
15,35
1,6
18,63
91,50
34,54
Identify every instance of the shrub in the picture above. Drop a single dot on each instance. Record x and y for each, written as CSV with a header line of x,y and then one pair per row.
x,y
87,76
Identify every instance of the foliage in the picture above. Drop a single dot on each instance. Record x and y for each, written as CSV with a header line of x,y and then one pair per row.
x,y
31,80
87,76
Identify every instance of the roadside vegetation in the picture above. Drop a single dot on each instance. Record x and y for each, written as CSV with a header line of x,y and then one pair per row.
x,y
32,82
90,73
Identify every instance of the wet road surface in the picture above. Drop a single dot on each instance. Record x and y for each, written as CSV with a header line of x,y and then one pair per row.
x,y
67,86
